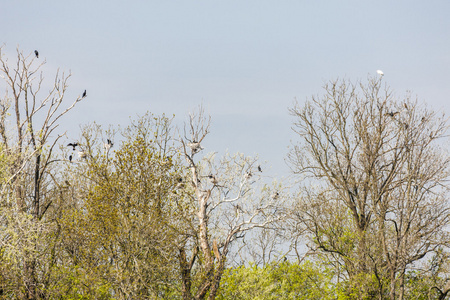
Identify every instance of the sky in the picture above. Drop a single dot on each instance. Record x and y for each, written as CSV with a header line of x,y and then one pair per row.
x,y
246,62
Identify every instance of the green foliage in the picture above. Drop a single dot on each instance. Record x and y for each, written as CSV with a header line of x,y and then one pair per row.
x,y
277,281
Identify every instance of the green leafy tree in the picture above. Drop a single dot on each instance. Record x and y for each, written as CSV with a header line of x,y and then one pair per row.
x,y
277,281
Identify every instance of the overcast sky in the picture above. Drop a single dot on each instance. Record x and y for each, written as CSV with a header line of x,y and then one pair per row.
x,y
246,61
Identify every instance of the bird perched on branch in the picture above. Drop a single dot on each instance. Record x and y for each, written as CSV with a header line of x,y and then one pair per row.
x,y
275,195
259,169
108,144
73,145
70,158
36,53
82,154
213,179
248,175
84,94
392,114
379,72
195,146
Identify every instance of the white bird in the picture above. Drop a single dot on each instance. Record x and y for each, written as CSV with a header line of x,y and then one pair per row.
x,y
275,195
379,72
82,154
108,144
195,146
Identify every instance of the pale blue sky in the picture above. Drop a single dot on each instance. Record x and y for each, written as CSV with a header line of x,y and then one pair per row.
x,y
246,61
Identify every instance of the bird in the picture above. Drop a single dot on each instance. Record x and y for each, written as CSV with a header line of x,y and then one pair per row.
x,y
73,145
213,179
248,175
195,146
259,169
70,158
404,104
108,144
82,154
379,72
36,53
84,94
275,195
392,114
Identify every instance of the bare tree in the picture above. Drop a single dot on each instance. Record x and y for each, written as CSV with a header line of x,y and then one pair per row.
x,y
226,205
28,120
376,199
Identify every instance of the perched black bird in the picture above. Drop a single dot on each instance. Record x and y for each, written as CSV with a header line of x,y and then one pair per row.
x,y
70,158
259,169
84,94
392,114
72,145
36,53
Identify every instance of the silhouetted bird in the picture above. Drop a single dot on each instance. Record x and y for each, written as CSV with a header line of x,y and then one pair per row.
x,y
36,53
72,145
84,94
70,158
392,114
259,169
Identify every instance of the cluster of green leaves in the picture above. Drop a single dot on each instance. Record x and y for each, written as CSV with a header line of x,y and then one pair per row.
x,y
277,281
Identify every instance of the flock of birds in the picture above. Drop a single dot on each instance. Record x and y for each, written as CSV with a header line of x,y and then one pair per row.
x,y
196,147
83,154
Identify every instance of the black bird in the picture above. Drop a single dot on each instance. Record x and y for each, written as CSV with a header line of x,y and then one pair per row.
x,y
392,114
36,53
70,158
259,169
72,145
84,94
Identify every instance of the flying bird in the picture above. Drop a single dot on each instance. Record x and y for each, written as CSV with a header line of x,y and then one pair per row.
x,y
36,53
379,72
84,94
73,145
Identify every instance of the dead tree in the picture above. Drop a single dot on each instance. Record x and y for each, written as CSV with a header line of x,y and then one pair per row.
x,y
28,119
226,205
